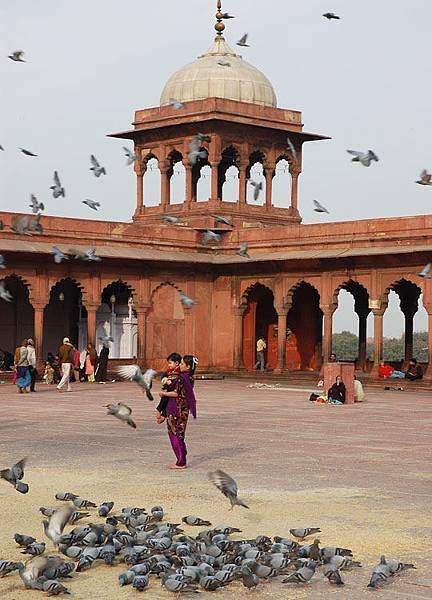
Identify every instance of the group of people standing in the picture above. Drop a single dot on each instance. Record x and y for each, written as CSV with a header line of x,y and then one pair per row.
x,y
25,366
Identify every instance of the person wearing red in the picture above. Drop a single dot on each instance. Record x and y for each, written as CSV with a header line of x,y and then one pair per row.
x,y
384,370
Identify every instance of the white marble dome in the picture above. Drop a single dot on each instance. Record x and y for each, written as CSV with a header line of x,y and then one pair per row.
x,y
205,78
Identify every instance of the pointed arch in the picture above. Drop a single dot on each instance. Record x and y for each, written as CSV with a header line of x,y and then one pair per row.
x,y
304,320
17,316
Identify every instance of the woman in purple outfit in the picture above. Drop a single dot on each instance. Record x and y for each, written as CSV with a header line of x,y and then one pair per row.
x,y
181,402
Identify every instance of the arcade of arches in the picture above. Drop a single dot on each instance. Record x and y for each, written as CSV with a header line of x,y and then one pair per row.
x,y
147,320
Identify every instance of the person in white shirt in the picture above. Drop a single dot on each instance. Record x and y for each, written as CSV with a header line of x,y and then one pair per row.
x,y
31,357
260,347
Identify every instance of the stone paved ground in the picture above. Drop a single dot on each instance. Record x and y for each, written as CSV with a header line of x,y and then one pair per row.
x,y
362,473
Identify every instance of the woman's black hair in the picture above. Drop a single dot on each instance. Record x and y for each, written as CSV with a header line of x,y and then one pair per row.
x,y
175,357
191,362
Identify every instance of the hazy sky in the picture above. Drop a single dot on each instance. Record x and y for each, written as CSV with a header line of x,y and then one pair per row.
x,y
363,80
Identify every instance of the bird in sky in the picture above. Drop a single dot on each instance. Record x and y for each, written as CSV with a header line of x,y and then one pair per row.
x,y
176,104
122,412
35,205
319,208
186,301
15,473
17,56
425,178
227,485
144,380
242,41
96,168
330,16
227,16
91,204
57,188
195,151
365,158
243,250
1,147
131,157
425,273
292,148
59,255
258,186
27,152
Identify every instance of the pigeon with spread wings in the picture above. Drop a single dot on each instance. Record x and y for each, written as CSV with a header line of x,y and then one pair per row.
x,y
134,373
227,486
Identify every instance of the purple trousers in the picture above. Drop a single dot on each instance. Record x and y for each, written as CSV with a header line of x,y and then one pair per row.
x,y
179,447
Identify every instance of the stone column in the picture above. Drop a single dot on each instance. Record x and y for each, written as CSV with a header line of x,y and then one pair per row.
x,y
362,339
295,172
378,314
409,335
189,182
165,183
38,332
328,332
238,338
214,180
269,173
242,182
140,170
141,313
282,327
91,323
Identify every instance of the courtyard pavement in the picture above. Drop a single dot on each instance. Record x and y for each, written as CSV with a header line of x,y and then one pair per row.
x,y
361,472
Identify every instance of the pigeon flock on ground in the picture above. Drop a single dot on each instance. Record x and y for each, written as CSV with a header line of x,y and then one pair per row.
x,y
151,548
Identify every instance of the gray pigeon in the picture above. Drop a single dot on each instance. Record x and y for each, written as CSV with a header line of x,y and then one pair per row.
x,y
34,549
196,521
27,152
343,562
134,373
81,503
35,225
302,575
7,566
2,262
319,208
227,486
91,204
211,236
303,532
140,582
258,186
242,41
175,585
7,297
62,570
292,148
171,219
176,104
35,567
59,255
396,566
96,168
380,574
195,151
210,583
87,255
329,551
1,147
425,272
77,516
131,157
65,496
243,250
223,220
24,540
330,16
186,301
249,579
57,522
57,188
332,573
227,16
425,178
35,205
17,56
122,412
105,508
15,473
20,225
53,587
365,158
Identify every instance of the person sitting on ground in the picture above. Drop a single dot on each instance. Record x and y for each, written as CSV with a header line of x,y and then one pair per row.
x,y
414,370
332,357
337,392
359,394
384,370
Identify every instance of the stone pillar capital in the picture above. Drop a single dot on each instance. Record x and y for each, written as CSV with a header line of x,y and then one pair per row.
x,y
282,311
239,310
378,312
294,170
328,309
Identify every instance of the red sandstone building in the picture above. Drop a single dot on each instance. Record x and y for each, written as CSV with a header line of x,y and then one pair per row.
x,y
287,290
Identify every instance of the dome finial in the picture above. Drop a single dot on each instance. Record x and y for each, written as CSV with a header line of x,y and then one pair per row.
x,y
220,26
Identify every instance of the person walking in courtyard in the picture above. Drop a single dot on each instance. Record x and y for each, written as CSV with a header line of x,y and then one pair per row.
x,y
23,379
260,347
32,363
66,356
181,402
102,365
91,362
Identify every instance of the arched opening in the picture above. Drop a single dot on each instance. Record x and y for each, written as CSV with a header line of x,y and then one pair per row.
x,y
281,184
230,157
63,315
304,320
350,324
255,174
177,178
152,182
203,183
16,316
165,325
259,320
116,317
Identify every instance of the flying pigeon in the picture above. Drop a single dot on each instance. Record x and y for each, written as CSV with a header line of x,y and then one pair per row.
x,y
91,204
195,151
87,255
2,262
186,301
243,250
176,104
223,220
15,473
319,208
59,255
227,486
227,16
330,16
171,219
242,41
292,148
302,533
211,236
57,522
258,186
122,412
17,56
1,147
425,178
7,297
365,158
57,188
96,168
35,205
131,157
134,373
224,63
424,273
27,152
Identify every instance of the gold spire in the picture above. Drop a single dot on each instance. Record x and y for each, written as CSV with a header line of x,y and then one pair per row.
x,y
220,26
